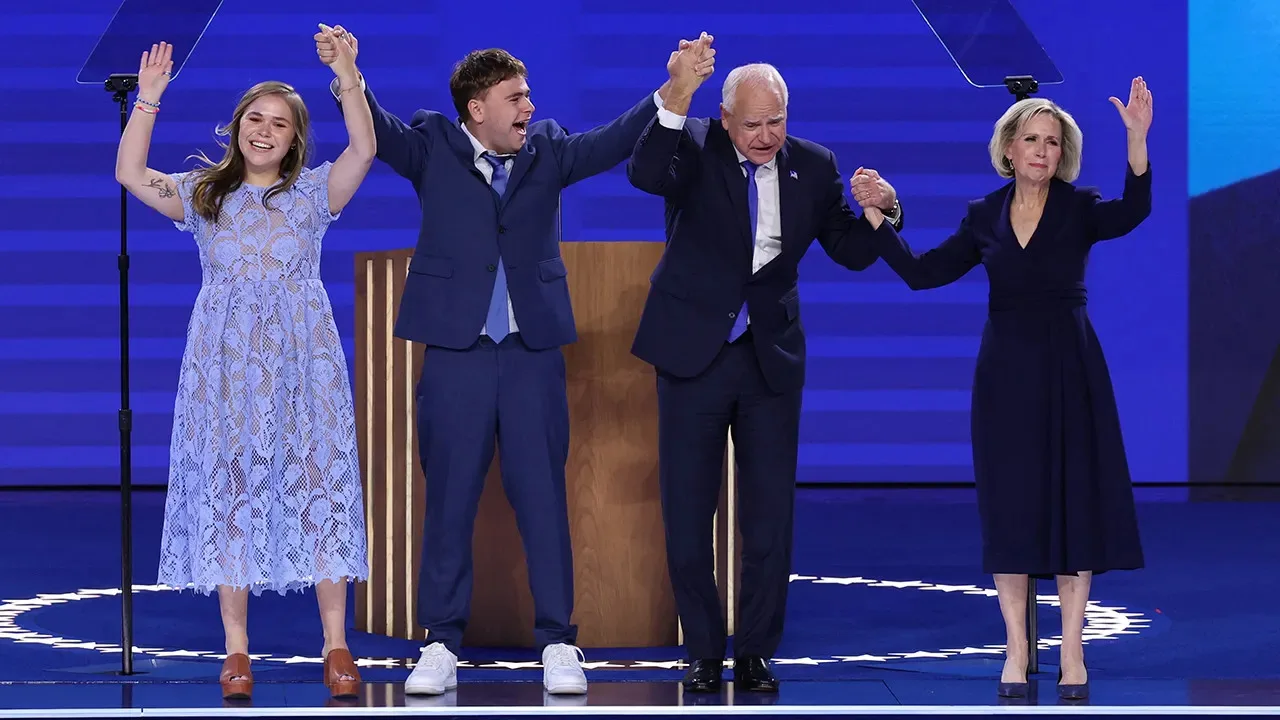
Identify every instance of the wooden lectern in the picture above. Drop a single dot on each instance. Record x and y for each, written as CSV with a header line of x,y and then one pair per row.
x,y
622,593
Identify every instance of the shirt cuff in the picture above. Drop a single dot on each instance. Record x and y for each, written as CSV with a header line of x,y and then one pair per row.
x,y
894,215
666,118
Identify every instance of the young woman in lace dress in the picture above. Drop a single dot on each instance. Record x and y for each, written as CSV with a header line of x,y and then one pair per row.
x,y
264,483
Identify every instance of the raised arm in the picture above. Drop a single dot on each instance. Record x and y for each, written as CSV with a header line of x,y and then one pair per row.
x,y
1113,218
665,159
943,265
351,167
402,146
597,150
155,189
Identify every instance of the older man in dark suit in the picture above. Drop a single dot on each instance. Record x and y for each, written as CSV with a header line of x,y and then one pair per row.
x,y
744,201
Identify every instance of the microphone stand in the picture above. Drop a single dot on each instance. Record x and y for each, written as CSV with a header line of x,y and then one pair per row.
x,y
120,85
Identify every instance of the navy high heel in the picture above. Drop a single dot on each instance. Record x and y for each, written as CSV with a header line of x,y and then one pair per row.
x,y
1012,689
1072,692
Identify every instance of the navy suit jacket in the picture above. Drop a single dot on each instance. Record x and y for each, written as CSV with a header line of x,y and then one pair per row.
x,y
706,270
466,226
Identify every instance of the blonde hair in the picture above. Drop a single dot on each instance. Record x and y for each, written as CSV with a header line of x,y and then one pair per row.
x,y
1018,114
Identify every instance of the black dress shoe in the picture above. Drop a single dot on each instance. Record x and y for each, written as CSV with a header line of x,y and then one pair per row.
x,y
751,673
704,675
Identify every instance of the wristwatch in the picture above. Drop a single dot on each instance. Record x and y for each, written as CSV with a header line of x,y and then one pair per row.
x,y
895,214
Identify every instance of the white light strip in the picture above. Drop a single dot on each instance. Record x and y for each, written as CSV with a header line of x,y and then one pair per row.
x,y
1102,622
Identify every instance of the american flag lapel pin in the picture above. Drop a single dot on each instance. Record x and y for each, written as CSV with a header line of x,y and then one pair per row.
x,y
794,175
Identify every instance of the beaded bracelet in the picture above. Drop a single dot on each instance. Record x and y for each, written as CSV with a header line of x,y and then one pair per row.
x,y
148,103
149,110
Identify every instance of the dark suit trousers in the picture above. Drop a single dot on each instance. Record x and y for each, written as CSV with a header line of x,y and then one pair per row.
x,y
695,416
465,399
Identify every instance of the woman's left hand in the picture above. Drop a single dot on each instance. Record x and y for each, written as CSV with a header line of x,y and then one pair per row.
x,y
1137,114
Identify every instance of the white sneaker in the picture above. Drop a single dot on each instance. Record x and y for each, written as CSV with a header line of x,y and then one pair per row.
x,y
562,670
435,672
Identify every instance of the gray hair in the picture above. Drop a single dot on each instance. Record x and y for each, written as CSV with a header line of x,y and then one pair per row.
x,y
1006,130
755,73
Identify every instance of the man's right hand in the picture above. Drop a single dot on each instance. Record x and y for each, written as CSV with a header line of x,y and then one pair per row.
x,y
343,34
691,64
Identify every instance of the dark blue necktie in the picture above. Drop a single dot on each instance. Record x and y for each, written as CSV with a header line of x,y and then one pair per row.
x,y
753,202
496,322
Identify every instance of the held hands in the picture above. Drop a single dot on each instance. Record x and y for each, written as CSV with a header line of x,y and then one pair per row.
x,y
873,194
338,48
692,63
872,191
154,72
1137,114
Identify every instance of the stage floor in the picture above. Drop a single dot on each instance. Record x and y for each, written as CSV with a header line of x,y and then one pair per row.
x,y
888,615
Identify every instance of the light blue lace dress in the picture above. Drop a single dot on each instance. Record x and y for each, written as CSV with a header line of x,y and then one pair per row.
x,y
264,473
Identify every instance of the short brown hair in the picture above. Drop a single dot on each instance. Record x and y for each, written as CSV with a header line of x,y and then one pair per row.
x,y
480,70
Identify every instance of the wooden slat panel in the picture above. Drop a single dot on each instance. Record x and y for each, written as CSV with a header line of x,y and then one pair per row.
x,y
623,596
379,451
363,311
399,395
418,507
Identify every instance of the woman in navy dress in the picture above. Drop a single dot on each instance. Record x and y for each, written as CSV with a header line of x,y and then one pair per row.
x,y
1053,484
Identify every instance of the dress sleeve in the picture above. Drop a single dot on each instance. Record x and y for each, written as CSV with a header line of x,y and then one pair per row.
x,y
314,184
185,183
1120,216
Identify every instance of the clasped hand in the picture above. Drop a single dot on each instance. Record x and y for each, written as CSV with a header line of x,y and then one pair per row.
x,y
692,62
338,48
873,193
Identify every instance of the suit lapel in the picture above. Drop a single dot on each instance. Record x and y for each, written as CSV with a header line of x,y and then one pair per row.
x,y
466,152
1002,221
1054,207
461,146
520,168
735,182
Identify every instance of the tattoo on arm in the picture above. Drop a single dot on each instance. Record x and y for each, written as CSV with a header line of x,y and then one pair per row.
x,y
165,189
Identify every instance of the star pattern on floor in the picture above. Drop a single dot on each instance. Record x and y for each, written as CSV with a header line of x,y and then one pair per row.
x,y
1102,623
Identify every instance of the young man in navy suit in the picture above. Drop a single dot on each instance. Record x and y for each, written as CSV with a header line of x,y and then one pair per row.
x,y
487,294
744,201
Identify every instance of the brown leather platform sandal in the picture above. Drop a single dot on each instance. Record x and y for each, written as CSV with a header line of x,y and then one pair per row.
x,y
341,675
236,678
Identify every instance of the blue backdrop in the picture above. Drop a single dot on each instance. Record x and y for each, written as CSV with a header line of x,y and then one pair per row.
x,y
1234,369
890,370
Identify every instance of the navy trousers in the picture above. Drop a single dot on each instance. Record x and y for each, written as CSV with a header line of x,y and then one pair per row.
x,y
466,400
694,418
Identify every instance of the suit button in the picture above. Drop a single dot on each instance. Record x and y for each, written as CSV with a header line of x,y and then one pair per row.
x,y
502,229
733,315
492,268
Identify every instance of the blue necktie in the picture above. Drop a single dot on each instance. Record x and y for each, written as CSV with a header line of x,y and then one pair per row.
x,y
753,202
496,323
